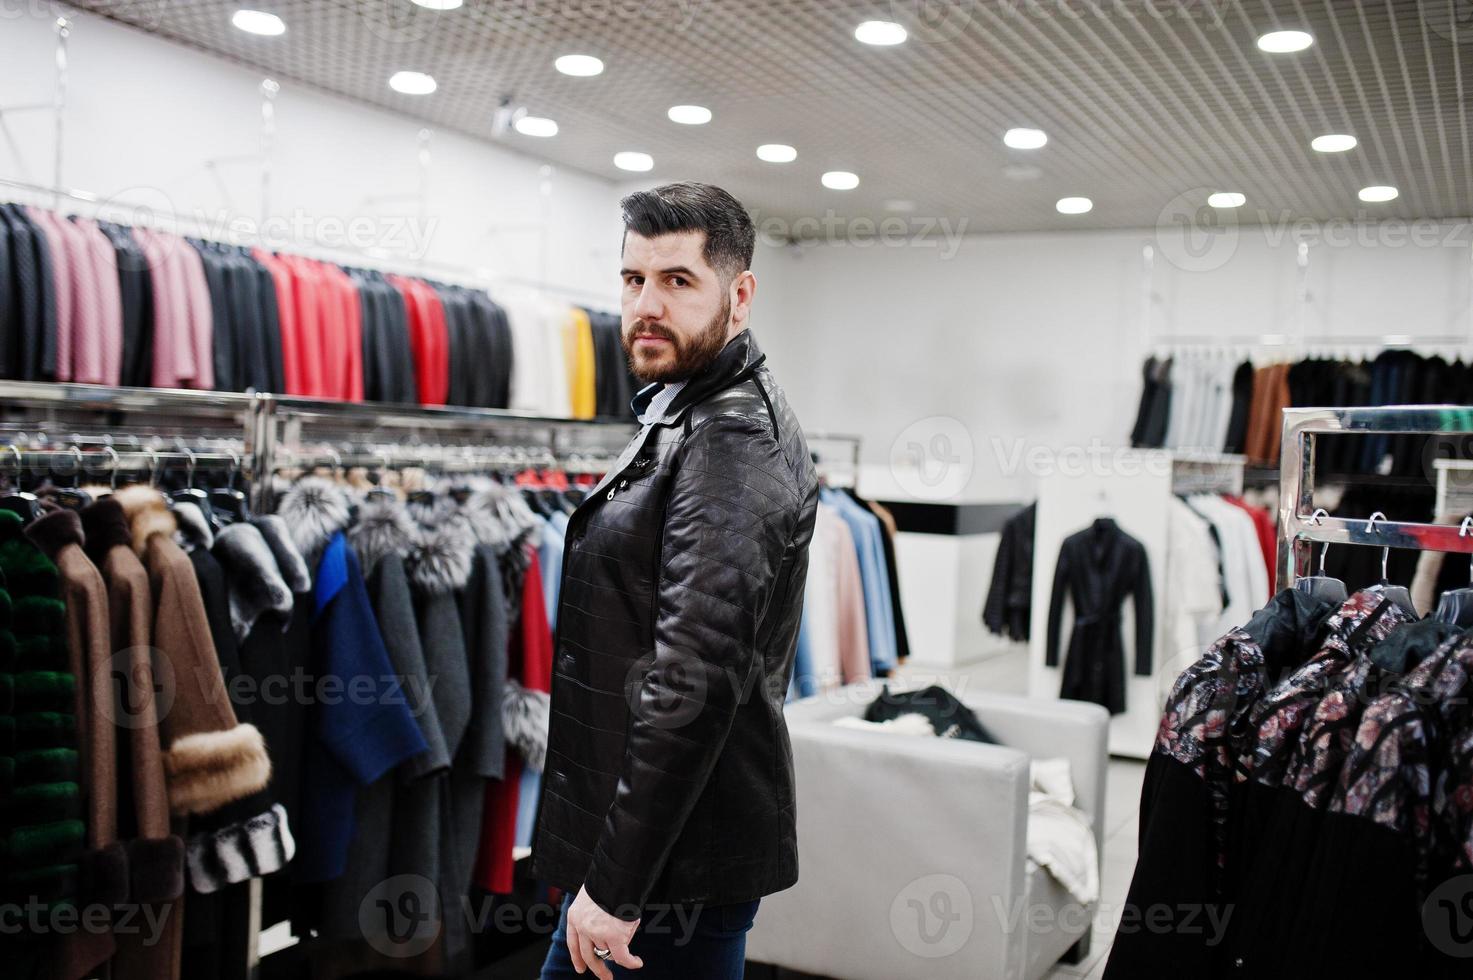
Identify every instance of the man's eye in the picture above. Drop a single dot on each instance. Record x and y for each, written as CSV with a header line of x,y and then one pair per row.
x,y
678,281
634,281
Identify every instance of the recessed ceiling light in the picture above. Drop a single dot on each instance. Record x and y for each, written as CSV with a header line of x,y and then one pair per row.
x,y
1378,194
776,153
1333,143
1074,205
840,180
1025,139
881,33
1226,199
689,115
1285,42
579,65
258,22
412,83
536,126
902,207
440,4
632,160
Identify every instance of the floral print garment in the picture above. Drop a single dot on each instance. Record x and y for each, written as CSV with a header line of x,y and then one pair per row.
x,y
1388,777
1279,718
1210,723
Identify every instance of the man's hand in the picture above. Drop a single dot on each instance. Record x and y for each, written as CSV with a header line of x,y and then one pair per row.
x,y
590,926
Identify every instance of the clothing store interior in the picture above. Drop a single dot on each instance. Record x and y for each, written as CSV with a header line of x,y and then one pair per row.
x,y
1129,344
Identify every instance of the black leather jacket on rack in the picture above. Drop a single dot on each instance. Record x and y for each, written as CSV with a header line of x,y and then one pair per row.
x,y
669,773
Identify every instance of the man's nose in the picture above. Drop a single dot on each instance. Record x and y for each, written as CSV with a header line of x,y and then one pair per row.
x,y
648,305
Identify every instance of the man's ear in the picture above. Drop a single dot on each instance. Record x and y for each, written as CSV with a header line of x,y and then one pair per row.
x,y
743,291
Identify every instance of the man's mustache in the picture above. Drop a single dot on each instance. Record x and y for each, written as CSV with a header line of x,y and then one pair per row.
x,y
650,329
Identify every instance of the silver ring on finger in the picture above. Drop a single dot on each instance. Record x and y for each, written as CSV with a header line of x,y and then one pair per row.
x,y
602,953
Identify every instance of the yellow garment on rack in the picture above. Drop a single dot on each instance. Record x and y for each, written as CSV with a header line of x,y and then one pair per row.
x,y
578,355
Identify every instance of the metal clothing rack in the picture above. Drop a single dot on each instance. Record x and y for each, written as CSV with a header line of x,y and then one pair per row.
x,y
99,429
1207,473
825,461
1300,528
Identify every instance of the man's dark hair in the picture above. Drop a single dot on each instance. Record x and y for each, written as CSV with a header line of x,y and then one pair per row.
x,y
689,206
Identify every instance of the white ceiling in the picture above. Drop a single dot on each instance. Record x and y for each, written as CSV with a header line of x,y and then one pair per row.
x,y
1143,100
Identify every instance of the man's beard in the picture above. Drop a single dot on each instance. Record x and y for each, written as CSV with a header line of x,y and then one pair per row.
x,y
692,356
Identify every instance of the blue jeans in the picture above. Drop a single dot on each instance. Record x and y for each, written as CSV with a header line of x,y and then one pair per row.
x,y
707,942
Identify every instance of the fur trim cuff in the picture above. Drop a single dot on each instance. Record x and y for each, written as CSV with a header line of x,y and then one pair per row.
x,y
207,770
259,846
157,867
524,716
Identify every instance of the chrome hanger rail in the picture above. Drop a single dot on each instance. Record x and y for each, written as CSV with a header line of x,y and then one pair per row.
x,y
1300,526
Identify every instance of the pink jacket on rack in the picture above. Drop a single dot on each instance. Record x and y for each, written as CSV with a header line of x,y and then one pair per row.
x,y
200,332
97,341
173,358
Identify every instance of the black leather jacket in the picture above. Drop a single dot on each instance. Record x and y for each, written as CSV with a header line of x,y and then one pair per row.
x,y
669,775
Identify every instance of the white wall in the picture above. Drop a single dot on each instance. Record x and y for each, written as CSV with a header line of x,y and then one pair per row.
x,y
146,117
1040,337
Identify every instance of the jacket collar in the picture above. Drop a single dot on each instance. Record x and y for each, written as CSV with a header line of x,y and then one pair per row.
x,y
739,358
106,526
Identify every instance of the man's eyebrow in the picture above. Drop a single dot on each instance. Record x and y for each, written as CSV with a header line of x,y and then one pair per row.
x,y
673,270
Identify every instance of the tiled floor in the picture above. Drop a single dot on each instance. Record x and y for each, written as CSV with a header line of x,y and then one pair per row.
x,y
1007,671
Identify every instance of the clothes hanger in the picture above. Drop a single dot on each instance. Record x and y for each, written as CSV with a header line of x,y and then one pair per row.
x,y
18,500
1397,594
1456,605
378,490
73,497
193,494
229,502
1322,586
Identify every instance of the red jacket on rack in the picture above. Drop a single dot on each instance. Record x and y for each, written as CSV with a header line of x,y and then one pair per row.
x,y
342,337
428,339
286,311
530,663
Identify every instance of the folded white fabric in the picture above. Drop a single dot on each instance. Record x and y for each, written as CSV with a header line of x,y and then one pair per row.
x,y
1060,838
910,724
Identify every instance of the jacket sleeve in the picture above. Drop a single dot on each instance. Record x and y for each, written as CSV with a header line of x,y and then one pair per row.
x,y
1144,617
1056,608
994,609
730,519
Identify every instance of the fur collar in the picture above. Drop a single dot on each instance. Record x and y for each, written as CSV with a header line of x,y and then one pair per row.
x,y
148,514
288,559
499,516
441,558
194,528
106,526
383,527
314,509
255,583
54,531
